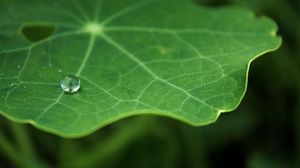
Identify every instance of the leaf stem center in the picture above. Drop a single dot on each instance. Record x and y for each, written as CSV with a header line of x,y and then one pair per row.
x,y
93,28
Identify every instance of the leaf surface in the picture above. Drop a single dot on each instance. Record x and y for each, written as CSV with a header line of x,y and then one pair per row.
x,y
164,57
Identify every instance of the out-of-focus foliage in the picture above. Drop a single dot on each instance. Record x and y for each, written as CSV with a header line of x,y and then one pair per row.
x,y
263,132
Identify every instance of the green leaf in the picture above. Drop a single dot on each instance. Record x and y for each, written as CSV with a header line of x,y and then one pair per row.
x,y
164,57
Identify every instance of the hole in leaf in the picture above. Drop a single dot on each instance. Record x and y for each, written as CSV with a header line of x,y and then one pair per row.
x,y
35,33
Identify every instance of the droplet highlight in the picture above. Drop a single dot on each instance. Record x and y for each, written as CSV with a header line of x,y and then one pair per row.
x,y
70,84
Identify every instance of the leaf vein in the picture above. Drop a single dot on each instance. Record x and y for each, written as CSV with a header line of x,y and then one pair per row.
x,y
140,63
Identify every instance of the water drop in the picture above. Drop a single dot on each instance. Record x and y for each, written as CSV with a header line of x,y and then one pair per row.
x,y
13,84
70,84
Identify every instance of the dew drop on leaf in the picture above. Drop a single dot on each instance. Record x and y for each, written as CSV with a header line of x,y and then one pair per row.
x,y
13,84
70,84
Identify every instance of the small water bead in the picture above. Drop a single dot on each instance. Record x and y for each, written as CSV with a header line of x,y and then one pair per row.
x,y
70,84
13,84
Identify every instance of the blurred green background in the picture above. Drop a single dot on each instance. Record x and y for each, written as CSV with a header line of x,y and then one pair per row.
x,y
264,132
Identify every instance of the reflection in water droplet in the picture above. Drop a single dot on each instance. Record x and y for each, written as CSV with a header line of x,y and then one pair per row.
x,y
70,84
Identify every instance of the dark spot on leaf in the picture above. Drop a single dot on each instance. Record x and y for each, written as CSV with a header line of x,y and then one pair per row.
x,y
35,33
